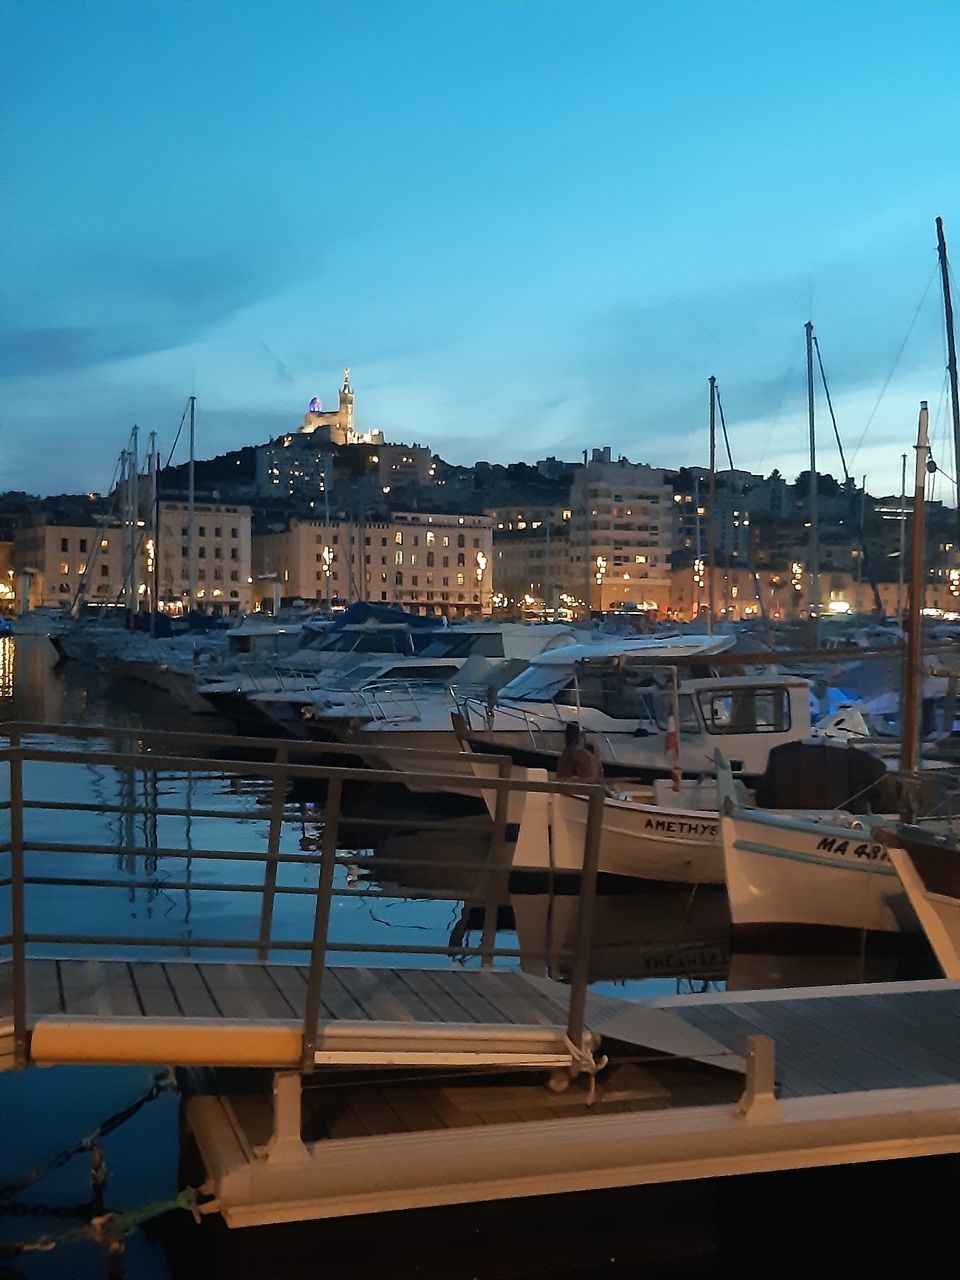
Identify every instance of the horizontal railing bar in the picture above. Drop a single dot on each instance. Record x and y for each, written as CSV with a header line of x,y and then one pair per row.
x,y
271,770
4,804
111,734
210,886
216,855
421,824
143,811
276,944
347,858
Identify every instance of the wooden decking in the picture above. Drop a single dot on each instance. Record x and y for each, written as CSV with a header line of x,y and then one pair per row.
x,y
841,1039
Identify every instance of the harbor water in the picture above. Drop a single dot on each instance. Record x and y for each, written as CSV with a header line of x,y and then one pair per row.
x,y
647,941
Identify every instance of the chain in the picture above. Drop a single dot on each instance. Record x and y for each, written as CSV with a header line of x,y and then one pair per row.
x,y
161,1083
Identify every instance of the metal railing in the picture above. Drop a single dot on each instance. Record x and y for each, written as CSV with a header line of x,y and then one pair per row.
x,y
153,752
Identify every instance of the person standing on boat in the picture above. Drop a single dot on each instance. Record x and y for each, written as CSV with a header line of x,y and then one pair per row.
x,y
576,760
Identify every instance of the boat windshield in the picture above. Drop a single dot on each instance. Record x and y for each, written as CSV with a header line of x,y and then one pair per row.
x,y
487,644
376,640
538,684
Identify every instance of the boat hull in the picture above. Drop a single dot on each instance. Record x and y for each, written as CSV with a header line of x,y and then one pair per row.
x,y
786,874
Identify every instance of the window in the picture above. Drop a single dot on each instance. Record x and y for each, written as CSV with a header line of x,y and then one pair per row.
x,y
234,575
201,575
184,532
745,710
184,552
83,544
202,553
64,567
431,537
234,595
416,540
81,569
398,537
445,541
459,579
217,532
383,543
446,583
104,571
202,531
413,556
415,581
64,544
234,533
218,553
461,540
476,542
104,543
398,557
430,558
461,559
398,579
218,575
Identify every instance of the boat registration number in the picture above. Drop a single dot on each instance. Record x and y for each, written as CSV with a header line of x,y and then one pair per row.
x,y
853,849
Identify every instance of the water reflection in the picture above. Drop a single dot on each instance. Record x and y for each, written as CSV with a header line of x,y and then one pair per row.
x,y
6,666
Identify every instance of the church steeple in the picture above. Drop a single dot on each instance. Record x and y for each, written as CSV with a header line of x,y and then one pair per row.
x,y
346,404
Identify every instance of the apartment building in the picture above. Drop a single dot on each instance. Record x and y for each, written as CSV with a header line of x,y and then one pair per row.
x,y
429,563
220,572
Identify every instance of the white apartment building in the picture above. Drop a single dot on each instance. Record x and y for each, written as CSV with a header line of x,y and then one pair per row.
x,y
220,574
621,534
427,563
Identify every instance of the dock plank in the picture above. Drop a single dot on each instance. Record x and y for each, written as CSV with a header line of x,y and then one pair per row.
x,y
44,995
432,994
377,1002
98,987
245,991
336,995
469,995
189,990
153,988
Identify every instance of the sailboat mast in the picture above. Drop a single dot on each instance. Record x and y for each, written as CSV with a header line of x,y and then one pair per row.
x,y
951,350
814,546
190,505
711,507
910,736
903,535
153,471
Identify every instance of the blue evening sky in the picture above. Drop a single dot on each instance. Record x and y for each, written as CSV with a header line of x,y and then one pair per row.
x,y
529,226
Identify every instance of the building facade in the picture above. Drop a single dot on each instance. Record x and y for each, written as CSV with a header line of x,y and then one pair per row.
x,y
428,563
56,565
220,573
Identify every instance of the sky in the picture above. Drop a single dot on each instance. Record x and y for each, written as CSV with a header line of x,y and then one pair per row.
x,y
530,227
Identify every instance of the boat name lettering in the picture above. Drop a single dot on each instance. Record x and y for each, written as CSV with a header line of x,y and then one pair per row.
x,y
872,852
682,827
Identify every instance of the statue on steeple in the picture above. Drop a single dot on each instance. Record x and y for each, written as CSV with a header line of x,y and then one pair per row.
x,y
346,380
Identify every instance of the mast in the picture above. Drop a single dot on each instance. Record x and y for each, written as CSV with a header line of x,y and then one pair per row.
x,y
190,505
711,506
951,351
910,736
814,551
134,519
903,535
153,465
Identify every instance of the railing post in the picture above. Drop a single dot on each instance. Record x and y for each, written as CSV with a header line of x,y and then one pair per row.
x,y
496,871
17,913
278,798
585,912
321,924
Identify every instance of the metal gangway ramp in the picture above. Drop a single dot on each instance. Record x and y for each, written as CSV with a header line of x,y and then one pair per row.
x,y
278,1000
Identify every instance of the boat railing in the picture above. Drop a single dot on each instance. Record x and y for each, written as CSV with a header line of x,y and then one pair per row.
x,y
480,714
44,878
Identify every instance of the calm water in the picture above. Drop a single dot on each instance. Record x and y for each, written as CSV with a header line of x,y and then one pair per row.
x,y
395,890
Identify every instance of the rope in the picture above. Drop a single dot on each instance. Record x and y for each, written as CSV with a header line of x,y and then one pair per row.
x,y
833,417
896,361
723,427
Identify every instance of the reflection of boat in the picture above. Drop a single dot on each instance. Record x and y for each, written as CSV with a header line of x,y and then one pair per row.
x,y
653,934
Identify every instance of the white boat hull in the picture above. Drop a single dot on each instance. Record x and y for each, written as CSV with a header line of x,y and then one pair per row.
x,y
786,872
644,842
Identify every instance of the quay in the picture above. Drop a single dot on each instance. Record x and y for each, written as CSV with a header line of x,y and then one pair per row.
x,y
325,1076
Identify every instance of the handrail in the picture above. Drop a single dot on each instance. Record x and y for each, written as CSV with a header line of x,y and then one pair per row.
x,y
276,772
